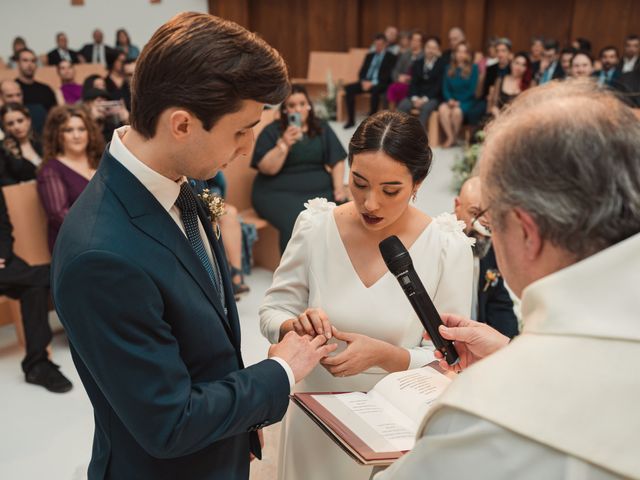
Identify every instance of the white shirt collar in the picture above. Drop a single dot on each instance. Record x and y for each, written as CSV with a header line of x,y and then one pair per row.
x,y
164,189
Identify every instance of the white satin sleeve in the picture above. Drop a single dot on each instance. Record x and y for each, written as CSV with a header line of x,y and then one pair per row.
x,y
455,287
288,295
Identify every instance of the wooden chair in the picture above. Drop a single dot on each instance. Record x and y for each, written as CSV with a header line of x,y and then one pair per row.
x,y
30,241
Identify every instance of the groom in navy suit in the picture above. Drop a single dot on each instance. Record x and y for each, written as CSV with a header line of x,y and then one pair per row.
x,y
139,277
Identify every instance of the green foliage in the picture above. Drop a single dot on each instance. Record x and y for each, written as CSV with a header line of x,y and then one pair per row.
x,y
464,165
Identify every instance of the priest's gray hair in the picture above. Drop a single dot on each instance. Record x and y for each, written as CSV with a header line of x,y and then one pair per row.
x,y
568,153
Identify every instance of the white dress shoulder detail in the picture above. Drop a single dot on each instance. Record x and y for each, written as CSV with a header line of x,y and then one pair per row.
x,y
449,223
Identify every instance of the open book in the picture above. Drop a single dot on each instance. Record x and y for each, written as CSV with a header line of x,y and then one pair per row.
x,y
377,427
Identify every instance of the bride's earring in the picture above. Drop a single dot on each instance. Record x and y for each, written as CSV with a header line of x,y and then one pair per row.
x,y
414,197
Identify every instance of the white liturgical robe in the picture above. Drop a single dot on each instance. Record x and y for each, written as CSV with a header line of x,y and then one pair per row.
x,y
562,401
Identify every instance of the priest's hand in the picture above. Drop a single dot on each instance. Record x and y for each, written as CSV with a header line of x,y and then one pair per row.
x,y
473,340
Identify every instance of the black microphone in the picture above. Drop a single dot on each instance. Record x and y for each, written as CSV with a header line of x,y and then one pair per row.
x,y
399,263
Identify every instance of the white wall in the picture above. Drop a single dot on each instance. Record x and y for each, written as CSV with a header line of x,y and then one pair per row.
x,y
39,20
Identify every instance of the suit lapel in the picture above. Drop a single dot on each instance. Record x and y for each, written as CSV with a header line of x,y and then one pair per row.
x,y
148,215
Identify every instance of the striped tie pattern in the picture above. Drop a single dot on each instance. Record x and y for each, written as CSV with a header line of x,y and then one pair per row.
x,y
188,206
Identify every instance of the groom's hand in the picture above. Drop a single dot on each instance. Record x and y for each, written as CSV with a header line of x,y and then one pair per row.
x,y
301,353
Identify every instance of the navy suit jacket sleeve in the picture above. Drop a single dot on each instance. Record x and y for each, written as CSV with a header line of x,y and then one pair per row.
x,y
113,315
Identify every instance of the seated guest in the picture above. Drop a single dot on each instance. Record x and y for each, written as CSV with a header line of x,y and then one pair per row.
x,y
295,164
72,149
10,92
582,45
631,55
565,221
458,91
123,43
333,282
18,44
62,52
456,36
565,60
485,61
401,75
30,285
511,85
609,59
374,78
97,51
425,91
21,153
107,114
536,53
116,80
37,97
550,68
70,91
498,69
491,302
391,36
582,65
93,82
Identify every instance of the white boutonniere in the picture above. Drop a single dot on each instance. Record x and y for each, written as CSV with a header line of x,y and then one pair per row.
x,y
215,207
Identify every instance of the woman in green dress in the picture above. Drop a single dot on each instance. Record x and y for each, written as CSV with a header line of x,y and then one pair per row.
x,y
298,157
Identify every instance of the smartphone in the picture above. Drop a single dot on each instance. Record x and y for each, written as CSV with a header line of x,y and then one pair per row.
x,y
295,119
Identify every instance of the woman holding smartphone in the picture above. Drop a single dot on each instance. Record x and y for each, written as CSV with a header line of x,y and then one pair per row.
x,y
298,157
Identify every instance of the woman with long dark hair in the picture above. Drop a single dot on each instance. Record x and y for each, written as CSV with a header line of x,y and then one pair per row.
x,y
72,149
333,281
507,88
20,153
298,157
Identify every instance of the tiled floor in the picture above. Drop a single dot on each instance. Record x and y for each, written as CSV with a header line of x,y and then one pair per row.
x,y
43,435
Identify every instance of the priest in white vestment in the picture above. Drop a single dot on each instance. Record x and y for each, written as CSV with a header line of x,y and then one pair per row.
x,y
562,400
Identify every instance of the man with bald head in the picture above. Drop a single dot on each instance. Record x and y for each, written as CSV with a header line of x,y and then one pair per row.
x,y
10,92
97,51
456,36
491,303
561,400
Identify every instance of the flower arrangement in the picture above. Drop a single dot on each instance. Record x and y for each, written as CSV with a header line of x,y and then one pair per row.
x,y
215,207
464,164
326,108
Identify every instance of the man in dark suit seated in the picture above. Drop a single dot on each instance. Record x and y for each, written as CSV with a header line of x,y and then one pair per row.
x,y
550,67
98,52
425,90
609,73
493,304
374,78
62,52
31,286
139,277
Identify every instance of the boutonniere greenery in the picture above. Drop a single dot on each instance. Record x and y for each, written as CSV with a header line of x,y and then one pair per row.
x,y
491,279
215,207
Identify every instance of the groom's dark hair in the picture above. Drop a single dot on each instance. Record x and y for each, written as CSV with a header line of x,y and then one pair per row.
x,y
207,66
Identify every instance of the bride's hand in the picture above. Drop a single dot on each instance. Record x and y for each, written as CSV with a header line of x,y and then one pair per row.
x,y
362,353
313,321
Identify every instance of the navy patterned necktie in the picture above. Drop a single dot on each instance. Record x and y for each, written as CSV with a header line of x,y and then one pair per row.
x,y
188,206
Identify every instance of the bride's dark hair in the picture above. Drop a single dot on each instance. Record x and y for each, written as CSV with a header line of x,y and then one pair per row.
x,y
400,136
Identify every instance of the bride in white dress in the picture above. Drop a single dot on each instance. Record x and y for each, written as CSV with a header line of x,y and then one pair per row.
x,y
332,281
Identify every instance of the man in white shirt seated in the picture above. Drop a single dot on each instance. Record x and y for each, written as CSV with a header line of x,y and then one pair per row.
x,y
562,170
